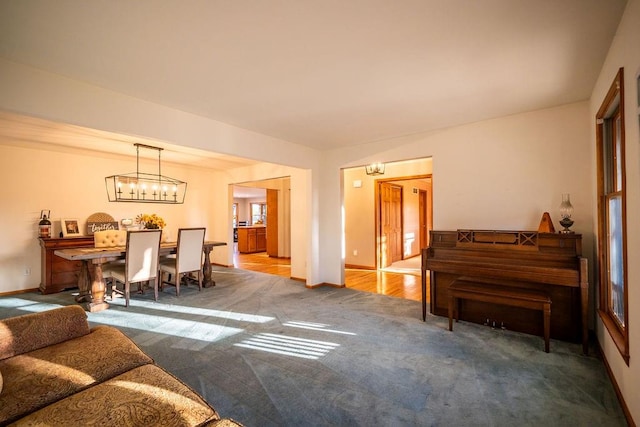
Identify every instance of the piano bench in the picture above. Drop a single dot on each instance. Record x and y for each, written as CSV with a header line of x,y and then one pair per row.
x,y
503,295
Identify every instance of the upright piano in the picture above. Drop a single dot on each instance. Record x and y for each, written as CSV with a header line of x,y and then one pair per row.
x,y
549,262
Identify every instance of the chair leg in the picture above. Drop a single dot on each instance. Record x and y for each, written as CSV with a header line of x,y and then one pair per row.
x,y
200,279
155,287
177,283
126,293
114,288
107,282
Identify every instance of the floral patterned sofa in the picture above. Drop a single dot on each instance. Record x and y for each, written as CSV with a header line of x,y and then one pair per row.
x,y
55,370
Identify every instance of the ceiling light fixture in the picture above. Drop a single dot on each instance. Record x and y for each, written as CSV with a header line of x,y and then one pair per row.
x,y
375,169
144,187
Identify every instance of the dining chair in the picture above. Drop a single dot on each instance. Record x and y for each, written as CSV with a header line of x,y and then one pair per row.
x,y
110,239
188,258
141,263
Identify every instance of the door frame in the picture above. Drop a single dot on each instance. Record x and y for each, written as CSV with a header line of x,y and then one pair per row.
x,y
380,234
377,231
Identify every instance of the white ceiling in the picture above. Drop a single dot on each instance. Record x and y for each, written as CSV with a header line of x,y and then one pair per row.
x,y
243,192
323,73
31,132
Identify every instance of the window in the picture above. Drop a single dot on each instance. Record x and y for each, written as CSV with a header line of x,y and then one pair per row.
x,y
235,215
258,213
612,258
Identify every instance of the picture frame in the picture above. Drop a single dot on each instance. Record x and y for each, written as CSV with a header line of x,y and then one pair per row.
x,y
70,227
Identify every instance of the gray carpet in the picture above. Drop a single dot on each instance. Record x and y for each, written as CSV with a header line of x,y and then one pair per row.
x,y
266,351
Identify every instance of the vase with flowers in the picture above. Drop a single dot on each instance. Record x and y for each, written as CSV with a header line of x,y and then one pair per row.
x,y
150,221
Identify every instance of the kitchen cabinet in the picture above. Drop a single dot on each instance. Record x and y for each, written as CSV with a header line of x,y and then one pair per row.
x,y
252,239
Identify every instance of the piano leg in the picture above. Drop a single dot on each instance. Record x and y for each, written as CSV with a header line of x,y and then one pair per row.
x,y
452,311
424,295
584,303
547,326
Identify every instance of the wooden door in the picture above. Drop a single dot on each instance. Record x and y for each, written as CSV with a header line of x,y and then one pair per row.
x,y
390,223
396,223
422,215
272,222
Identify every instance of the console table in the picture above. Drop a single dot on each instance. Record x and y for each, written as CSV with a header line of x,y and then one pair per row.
x,y
58,274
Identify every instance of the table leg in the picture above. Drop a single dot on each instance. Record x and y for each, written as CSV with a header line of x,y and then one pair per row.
x,y
97,289
208,280
83,283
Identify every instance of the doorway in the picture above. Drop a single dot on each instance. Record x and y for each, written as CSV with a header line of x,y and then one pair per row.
x,y
403,218
262,221
369,236
387,216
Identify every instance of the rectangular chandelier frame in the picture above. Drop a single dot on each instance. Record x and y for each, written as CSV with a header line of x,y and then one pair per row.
x,y
142,187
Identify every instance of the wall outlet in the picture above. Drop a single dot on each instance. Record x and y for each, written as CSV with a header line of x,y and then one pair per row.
x,y
27,271
355,252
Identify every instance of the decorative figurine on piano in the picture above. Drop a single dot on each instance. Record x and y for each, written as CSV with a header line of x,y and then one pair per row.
x,y
565,212
546,225
44,226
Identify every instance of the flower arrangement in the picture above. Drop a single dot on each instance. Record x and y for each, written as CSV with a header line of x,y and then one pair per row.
x,y
150,222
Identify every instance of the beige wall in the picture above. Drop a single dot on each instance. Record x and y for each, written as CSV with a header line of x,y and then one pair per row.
x,y
505,172
72,186
33,92
495,174
624,52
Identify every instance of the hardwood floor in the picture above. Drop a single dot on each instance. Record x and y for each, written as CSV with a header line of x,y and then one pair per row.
x,y
386,283
262,263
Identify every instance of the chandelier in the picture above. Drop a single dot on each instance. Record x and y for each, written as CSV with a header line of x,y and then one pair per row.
x,y
145,187
375,169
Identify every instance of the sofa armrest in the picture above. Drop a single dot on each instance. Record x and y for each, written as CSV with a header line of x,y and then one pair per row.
x,y
29,332
224,422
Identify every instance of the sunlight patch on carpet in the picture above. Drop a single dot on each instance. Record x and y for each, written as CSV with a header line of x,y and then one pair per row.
x,y
228,315
26,305
315,327
199,331
288,345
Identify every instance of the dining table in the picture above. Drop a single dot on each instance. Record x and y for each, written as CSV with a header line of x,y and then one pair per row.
x,y
92,289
